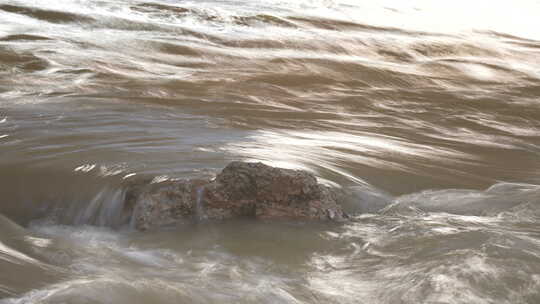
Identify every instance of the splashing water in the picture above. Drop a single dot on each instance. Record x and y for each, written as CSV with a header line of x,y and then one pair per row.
x,y
199,204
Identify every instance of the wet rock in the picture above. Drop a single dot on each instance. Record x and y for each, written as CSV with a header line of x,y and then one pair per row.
x,y
163,203
240,190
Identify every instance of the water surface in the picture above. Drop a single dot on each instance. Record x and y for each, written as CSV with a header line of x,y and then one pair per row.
x,y
427,113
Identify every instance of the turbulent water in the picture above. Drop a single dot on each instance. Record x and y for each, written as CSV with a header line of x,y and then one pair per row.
x,y
426,112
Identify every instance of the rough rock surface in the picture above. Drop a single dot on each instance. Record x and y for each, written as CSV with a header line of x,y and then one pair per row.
x,y
240,190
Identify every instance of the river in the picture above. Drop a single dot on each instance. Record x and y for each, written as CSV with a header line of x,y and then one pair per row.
x,y
426,112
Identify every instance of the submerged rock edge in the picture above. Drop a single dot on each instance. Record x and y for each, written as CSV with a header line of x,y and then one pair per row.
x,y
241,189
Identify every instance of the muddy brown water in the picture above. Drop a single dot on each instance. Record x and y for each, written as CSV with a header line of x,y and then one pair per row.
x,y
427,113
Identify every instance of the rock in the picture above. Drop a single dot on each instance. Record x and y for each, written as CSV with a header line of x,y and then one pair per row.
x,y
163,203
240,190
